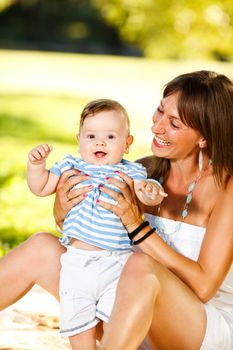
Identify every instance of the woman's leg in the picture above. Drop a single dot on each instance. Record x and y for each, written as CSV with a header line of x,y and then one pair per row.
x,y
36,261
151,298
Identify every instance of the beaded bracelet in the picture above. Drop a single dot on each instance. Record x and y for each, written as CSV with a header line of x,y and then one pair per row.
x,y
144,237
138,229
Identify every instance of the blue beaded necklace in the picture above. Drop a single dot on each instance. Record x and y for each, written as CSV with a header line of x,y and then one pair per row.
x,y
189,197
191,188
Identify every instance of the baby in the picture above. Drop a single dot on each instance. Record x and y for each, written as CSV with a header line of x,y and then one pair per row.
x,y
97,243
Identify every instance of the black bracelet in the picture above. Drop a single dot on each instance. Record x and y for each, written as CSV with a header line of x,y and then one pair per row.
x,y
144,237
138,229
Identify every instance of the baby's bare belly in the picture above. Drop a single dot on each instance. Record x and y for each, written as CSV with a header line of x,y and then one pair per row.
x,y
83,245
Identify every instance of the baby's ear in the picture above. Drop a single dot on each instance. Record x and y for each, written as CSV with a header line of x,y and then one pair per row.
x,y
129,142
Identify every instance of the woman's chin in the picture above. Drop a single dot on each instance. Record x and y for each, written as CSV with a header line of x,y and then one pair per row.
x,y
161,153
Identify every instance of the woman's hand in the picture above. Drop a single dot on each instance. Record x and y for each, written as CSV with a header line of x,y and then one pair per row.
x,y
127,207
66,198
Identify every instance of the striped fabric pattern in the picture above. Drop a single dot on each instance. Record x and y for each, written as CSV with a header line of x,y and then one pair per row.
x,y
88,221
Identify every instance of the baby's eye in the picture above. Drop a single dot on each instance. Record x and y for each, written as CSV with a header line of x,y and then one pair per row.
x,y
111,137
90,136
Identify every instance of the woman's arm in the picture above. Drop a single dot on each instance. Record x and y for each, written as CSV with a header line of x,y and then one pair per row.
x,y
203,276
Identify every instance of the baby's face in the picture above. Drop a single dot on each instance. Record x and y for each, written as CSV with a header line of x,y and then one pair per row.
x,y
103,138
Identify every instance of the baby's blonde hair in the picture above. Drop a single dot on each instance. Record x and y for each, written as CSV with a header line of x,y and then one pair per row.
x,y
102,104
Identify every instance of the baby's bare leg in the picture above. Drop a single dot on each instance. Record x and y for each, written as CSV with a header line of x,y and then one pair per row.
x,y
84,341
36,261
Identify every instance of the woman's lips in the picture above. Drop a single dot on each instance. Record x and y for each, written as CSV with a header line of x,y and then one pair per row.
x,y
160,142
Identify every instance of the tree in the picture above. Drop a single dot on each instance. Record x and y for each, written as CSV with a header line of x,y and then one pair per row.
x,y
173,28
60,25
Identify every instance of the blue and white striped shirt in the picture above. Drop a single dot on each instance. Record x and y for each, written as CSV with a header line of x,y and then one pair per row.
x,y
88,221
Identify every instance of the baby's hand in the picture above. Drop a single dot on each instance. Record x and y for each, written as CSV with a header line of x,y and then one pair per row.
x,y
150,192
38,154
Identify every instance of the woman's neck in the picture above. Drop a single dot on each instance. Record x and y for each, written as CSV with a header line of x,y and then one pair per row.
x,y
183,187
183,172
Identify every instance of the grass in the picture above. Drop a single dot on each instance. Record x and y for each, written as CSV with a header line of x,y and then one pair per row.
x,y
25,121
41,97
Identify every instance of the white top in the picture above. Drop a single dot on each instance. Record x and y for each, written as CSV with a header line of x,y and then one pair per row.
x,y
187,239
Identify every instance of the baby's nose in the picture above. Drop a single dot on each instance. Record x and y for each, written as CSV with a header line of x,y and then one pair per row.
x,y
100,142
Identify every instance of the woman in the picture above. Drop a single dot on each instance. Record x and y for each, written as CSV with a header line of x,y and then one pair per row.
x,y
169,292
174,291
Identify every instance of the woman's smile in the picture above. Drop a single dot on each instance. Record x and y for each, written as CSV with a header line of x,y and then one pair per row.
x,y
160,142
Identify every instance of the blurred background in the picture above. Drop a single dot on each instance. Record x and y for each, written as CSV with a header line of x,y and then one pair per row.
x,y
57,55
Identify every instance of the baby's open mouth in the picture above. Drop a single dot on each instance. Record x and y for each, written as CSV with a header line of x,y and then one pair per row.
x,y
100,154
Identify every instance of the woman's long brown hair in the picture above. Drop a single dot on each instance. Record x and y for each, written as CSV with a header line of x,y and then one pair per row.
x,y
206,105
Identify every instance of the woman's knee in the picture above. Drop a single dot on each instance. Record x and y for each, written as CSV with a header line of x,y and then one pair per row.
x,y
142,268
43,240
42,246
40,238
143,263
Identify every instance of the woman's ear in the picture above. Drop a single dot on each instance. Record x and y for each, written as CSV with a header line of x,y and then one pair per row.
x,y
202,143
129,142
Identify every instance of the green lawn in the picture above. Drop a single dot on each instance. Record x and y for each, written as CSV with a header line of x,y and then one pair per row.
x,y
25,121
41,96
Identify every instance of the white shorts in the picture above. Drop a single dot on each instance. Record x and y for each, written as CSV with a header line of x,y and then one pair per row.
x,y
88,282
219,332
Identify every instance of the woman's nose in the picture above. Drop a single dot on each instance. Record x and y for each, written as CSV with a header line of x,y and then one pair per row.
x,y
159,124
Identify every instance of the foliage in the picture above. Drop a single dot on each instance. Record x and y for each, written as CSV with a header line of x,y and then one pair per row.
x,y
25,121
154,28
74,26
174,28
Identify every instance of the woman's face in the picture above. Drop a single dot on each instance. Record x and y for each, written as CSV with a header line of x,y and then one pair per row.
x,y
172,138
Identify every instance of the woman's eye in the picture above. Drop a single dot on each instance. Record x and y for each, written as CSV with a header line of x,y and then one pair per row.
x,y
159,109
175,124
